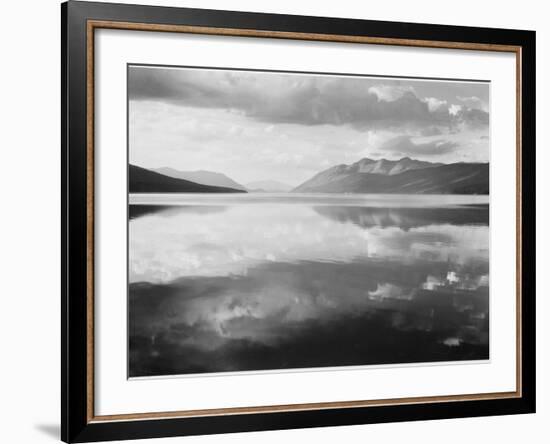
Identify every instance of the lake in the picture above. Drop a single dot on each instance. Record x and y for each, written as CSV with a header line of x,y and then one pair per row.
x,y
248,282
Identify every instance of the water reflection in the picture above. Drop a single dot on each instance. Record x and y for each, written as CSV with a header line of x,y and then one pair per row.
x,y
406,218
270,286
136,211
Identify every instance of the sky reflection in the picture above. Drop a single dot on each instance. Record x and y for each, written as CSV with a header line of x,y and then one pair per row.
x,y
186,241
228,288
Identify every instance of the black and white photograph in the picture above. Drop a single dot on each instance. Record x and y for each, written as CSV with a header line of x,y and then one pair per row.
x,y
282,221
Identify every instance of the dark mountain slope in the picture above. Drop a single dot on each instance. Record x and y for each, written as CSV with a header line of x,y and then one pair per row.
x,y
202,177
366,166
142,180
456,178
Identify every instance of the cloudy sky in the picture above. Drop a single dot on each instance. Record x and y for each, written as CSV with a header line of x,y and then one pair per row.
x,y
287,127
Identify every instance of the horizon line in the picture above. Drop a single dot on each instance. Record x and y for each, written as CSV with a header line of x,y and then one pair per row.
x,y
244,183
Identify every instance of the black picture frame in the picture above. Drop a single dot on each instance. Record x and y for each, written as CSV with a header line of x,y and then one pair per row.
x,y
76,329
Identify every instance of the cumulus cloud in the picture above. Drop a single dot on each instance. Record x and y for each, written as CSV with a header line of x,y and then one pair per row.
x,y
473,118
455,109
434,104
406,146
473,102
361,103
390,93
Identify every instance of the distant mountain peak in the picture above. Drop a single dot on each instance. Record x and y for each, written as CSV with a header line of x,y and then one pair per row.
x,y
400,176
273,186
383,166
204,177
366,160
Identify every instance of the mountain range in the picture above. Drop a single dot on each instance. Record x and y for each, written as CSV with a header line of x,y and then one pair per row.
x,y
268,186
203,177
142,180
403,176
216,179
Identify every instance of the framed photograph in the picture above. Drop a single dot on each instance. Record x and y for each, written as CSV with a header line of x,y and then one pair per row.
x,y
275,221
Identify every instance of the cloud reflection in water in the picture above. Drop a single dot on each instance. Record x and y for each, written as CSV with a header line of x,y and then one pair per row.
x,y
291,286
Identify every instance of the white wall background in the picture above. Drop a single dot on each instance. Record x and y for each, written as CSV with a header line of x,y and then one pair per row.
x,y
29,220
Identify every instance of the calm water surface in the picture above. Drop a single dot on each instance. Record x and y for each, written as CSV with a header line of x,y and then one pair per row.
x,y
277,281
